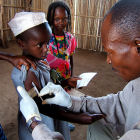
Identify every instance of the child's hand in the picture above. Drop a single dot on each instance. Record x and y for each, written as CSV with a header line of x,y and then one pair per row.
x,y
18,61
71,82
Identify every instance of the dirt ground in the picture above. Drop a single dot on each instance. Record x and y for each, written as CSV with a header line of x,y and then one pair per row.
x,y
106,81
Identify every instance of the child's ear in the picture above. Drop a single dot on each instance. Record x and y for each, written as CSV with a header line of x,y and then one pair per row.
x,y
137,43
20,43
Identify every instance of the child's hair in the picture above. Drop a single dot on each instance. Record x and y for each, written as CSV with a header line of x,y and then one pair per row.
x,y
51,11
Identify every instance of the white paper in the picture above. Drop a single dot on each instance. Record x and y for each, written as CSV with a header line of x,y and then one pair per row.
x,y
86,77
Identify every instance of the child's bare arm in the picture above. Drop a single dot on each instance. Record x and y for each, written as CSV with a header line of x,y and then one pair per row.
x,y
31,77
57,112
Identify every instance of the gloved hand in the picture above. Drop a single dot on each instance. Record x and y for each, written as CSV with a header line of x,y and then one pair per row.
x,y
42,132
61,97
28,106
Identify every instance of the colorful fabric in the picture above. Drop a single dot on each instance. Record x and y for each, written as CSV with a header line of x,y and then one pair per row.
x,y
2,135
59,58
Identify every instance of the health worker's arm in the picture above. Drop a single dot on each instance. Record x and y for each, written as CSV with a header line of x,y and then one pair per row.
x,y
115,106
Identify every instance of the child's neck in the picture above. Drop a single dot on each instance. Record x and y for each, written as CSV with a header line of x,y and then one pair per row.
x,y
30,57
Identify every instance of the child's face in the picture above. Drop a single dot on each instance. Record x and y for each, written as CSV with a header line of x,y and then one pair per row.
x,y
121,54
37,44
60,19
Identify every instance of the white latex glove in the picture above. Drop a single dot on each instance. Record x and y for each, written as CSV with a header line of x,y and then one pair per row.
x,y
61,97
28,106
42,132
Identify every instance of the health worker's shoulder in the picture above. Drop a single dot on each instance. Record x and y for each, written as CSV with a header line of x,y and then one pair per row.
x,y
135,83
133,86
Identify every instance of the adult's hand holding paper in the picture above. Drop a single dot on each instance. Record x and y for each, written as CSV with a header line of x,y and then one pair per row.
x,y
86,77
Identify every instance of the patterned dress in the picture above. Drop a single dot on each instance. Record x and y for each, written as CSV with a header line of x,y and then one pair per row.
x,y
2,136
60,50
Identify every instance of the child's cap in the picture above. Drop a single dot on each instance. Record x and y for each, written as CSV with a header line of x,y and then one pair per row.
x,y
23,21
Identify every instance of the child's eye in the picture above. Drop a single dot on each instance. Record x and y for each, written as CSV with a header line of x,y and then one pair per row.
x,y
65,19
42,44
57,19
38,45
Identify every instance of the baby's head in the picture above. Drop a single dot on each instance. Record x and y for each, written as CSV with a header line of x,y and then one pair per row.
x,y
121,38
32,32
59,16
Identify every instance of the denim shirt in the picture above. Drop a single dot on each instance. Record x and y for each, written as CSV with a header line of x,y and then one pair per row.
x,y
2,135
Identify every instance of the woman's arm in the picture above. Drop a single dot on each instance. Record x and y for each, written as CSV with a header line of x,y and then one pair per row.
x,y
71,63
17,61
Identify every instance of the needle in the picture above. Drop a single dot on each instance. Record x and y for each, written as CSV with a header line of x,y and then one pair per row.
x,y
36,90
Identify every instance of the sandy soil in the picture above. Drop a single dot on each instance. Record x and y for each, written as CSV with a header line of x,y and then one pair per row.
x,y
106,81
